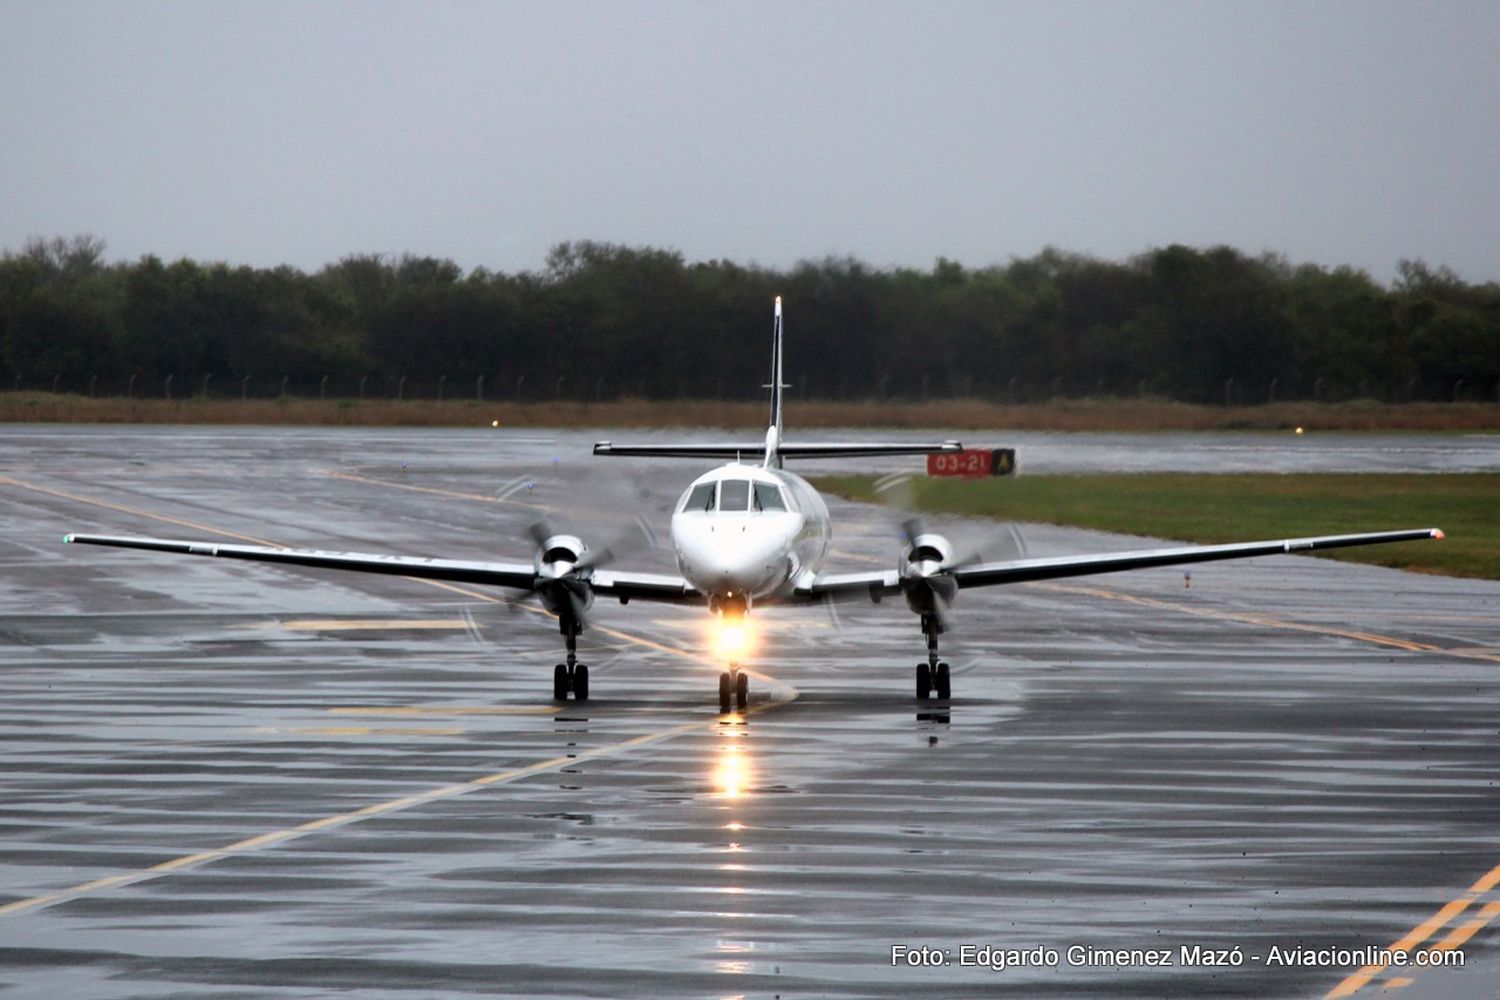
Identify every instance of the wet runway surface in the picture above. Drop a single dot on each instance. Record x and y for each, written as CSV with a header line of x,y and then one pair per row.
x,y
222,779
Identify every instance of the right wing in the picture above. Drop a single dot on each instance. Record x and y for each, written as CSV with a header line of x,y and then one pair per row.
x,y
517,576
878,584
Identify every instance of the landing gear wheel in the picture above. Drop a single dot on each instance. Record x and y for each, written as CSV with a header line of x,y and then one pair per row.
x,y
724,693
560,683
581,682
940,682
924,680
741,690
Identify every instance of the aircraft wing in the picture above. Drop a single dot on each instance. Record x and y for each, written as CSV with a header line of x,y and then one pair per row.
x,y
517,576
846,586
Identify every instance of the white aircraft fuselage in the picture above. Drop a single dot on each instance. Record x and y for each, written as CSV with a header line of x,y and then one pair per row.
x,y
743,532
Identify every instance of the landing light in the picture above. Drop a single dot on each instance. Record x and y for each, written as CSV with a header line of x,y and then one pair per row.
x,y
731,639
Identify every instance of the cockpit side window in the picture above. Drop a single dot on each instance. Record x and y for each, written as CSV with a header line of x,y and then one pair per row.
x,y
768,497
734,494
700,499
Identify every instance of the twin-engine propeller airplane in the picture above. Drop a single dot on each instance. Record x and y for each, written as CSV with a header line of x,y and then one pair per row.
x,y
749,536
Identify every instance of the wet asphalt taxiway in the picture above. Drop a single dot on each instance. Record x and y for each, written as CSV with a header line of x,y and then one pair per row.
x,y
221,779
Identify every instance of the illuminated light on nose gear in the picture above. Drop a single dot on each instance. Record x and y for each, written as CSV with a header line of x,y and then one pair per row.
x,y
732,639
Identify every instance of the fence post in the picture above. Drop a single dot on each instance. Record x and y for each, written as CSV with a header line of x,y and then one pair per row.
x,y
283,385
129,388
244,388
169,386
205,384
557,389
479,389
1271,393
93,379
520,381
1458,385
362,386
1229,391
323,387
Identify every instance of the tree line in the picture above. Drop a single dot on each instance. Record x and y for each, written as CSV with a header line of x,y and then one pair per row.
x,y
603,321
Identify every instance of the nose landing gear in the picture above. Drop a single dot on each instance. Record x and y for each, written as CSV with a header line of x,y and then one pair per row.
x,y
736,683
572,676
932,676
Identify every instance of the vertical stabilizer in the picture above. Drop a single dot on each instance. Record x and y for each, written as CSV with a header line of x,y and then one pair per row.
x,y
777,383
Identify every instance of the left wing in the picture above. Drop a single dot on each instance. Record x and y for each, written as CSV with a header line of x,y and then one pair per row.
x,y
517,576
849,586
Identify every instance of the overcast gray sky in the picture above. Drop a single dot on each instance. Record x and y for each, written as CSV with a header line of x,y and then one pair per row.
x,y
267,133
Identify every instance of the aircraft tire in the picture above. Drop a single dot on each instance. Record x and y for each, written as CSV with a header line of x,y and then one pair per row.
x,y
581,682
724,693
924,680
941,683
742,690
560,683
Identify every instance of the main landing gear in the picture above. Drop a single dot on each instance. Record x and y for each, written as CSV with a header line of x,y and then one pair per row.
x,y
571,676
734,683
932,676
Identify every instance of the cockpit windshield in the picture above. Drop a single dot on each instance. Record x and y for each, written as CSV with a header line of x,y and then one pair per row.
x,y
700,499
734,495
768,497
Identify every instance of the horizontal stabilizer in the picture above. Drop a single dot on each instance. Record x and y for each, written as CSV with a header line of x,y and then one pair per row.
x,y
785,450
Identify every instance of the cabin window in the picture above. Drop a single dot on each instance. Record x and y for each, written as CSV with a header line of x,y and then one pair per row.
x,y
734,495
768,497
701,498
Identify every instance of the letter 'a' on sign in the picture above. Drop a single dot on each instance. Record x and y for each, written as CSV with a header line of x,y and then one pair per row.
x,y
973,462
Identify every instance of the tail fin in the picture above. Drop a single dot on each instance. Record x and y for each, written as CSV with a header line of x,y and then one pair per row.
x,y
773,432
773,448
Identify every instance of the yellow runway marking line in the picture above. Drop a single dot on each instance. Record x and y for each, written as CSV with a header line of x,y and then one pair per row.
x,y
446,710
368,624
788,695
1427,928
364,730
127,509
435,491
439,793
1270,621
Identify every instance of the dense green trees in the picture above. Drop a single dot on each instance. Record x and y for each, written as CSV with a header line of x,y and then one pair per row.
x,y
603,321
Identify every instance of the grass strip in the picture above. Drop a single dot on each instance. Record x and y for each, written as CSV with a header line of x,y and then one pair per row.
x,y
1215,508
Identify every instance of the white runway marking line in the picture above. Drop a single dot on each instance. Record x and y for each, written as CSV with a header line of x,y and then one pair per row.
x,y
787,695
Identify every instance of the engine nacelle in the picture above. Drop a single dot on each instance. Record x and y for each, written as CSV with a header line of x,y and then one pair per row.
x,y
563,585
926,587
926,554
558,554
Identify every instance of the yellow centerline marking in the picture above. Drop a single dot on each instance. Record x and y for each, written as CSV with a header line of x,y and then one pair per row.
x,y
436,491
127,509
1270,621
788,694
430,710
439,793
368,624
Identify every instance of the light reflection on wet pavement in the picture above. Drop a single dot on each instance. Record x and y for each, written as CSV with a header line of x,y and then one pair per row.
x,y
1126,763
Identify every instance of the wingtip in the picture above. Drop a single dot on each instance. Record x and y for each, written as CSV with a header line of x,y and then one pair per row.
x,y
68,539
1438,534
